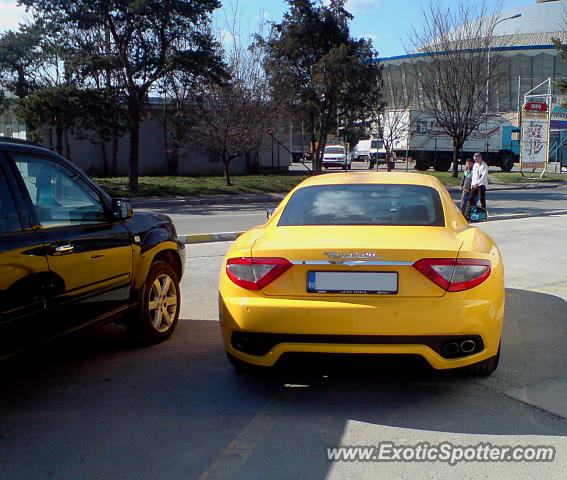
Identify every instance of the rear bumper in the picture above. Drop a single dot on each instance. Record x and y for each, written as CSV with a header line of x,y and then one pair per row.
x,y
334,164
419,326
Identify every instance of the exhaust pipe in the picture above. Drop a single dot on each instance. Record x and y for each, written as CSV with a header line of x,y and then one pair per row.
x,y
451,348
468,346
241,343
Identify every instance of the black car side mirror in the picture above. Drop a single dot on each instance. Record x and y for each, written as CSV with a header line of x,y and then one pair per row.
x,y
121,208
270,212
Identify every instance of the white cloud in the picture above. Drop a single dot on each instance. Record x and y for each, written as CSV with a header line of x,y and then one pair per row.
x,y
12,15
372,36
227,38
263,17
359,6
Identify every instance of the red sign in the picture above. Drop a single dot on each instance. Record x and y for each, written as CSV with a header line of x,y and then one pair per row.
x,y
535,107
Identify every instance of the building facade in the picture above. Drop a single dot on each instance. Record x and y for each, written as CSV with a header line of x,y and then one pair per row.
x,y
526,57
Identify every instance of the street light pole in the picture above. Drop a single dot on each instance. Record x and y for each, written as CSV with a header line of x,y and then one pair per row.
x,y
518,15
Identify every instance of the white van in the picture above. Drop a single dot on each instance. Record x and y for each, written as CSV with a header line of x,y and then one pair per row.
x,y
336,156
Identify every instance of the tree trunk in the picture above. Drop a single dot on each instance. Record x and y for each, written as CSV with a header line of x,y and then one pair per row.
x,y
59,139
104,158
165,142
313,142
173,159
318,154
67,145
21,85
114,152
134,116
226,162
456,149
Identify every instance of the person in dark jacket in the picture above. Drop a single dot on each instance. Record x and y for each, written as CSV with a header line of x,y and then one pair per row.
x,y
466,185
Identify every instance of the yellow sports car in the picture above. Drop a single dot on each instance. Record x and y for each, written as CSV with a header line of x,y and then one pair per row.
x,y
372,263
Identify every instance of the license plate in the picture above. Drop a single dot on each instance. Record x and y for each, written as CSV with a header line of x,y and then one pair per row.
x,y
354,283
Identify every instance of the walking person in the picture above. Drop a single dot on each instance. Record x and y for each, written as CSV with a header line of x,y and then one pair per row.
x,y
466,185
479,182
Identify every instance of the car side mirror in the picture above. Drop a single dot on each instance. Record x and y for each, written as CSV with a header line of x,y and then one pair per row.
x,y
121,208
270,212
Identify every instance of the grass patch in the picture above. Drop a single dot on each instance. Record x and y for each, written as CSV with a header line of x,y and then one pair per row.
x,y
277,183
516,177
446,178
196,186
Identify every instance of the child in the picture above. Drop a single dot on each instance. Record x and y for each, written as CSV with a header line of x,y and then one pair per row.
x,y
466,185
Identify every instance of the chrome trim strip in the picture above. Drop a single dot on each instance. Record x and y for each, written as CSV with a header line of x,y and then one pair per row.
x,y
351,263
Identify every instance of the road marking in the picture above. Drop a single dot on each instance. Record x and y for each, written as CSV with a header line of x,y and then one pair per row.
x,y
243,445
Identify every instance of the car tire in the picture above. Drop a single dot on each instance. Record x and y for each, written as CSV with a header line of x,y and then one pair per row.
x,y
157,315
484,368
421,165
507,164
246,368
443,163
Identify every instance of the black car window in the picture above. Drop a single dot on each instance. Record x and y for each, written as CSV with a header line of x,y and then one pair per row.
x,y
59,196
9,219
364,204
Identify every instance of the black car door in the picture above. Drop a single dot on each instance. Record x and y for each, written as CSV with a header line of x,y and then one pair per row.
x,y
24,272
90,252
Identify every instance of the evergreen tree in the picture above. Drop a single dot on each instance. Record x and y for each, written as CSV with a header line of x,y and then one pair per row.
x,y
330,80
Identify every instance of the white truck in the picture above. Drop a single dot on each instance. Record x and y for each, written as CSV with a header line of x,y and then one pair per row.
x,y
369,150
421,138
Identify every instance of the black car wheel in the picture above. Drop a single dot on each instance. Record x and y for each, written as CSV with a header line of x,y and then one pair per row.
x,y
507,164
158,312
443,163
486,367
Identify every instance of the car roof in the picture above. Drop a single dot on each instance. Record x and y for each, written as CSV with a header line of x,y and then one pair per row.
x,y
30,147
351,178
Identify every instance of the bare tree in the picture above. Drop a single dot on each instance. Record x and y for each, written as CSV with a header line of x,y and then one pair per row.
x,y
232,118
177,115
391,125
453,66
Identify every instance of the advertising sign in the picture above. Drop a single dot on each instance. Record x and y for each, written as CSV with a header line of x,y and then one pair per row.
x,y
535,136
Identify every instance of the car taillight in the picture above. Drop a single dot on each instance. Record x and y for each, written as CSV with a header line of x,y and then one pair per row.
x,y
455,275
255,273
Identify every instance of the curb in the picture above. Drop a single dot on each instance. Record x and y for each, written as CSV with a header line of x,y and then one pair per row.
x,y
150,202
209,237
514,216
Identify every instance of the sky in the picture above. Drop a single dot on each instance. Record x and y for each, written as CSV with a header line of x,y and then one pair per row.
x,y
386,22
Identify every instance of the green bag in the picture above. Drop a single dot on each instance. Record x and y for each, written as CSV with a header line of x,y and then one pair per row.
x,y
478,214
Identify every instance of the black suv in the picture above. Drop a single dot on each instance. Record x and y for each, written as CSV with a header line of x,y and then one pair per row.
x,y
71,256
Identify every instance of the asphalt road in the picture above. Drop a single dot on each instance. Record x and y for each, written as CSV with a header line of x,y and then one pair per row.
x,y
191,219
92,407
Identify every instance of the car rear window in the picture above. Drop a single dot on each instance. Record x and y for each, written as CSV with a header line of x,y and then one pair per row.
x,y
369,204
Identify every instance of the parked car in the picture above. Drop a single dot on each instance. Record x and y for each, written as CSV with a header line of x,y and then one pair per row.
x,y
369,263
71,256
336,156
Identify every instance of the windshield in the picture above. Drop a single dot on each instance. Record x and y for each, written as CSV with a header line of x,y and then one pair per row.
x,y
334,150
375,204
376,144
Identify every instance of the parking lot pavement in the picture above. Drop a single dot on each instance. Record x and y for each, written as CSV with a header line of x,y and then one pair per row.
x,y
199,287
93,407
